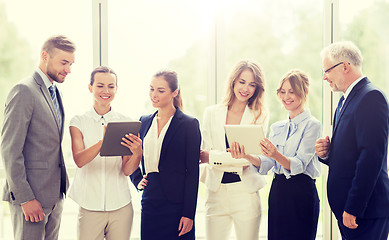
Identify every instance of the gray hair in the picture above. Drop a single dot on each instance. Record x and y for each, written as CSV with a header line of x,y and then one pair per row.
x,y
345,51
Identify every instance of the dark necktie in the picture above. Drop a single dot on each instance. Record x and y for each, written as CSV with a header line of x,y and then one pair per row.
x,y
58,111
56,104
337,112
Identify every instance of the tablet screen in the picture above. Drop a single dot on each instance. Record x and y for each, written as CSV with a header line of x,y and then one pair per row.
x,y
113,137
247,135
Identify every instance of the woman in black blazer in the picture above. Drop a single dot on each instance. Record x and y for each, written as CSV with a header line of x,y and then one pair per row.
x,y
169,169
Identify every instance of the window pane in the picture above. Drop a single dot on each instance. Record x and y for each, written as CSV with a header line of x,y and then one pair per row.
x,y
149,36
366,26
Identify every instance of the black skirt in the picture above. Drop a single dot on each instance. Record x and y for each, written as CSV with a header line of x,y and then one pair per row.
x,y
293,208
160,217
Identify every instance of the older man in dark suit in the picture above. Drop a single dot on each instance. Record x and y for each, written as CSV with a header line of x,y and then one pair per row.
x,y
36,178
358,184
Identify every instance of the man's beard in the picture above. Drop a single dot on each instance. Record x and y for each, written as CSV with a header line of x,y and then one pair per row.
x,y
53,76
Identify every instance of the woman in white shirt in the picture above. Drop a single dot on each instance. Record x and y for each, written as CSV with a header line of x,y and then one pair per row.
x,y
100,185
290,154
232,197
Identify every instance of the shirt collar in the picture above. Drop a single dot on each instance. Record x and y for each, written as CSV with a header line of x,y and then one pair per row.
x,y
352,85
46,80
301,117
95,116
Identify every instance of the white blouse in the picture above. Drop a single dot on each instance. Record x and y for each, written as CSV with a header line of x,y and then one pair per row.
x,y
152,145
100,185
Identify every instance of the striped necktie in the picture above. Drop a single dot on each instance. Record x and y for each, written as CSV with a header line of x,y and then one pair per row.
x,y
56,104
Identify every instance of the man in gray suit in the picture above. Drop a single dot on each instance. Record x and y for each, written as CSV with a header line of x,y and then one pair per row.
x,y
36,179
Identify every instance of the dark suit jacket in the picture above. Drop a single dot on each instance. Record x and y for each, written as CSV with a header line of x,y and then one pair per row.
x,y
358,180
179,160
31,145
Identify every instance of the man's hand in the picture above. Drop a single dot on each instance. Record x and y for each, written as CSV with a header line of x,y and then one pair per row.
x,y
322,146
349,220
33,211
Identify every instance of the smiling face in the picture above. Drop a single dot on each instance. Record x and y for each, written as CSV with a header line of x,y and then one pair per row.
x,y
291,101
244,86
104,88
161,95
57,65
334,76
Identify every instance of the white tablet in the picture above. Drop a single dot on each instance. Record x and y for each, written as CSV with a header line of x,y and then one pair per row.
x,y
113,137
247,135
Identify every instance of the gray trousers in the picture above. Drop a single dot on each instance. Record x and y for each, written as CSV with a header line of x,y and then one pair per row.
x,y
44,230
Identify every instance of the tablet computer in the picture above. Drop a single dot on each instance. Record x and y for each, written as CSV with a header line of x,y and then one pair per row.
x,y
113,137
247,135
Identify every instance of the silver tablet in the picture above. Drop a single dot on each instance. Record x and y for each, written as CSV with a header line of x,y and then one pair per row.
x,y
113,137
247,135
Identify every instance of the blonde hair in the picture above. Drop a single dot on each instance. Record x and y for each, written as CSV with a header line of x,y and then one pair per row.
x,y
256,102
299,82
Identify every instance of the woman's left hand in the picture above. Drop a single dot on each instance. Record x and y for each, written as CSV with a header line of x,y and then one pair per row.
x,y
185,225
237,151
134,143
268,148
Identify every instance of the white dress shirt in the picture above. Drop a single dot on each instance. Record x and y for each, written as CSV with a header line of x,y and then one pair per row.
x,y
100,185
152,145
220,160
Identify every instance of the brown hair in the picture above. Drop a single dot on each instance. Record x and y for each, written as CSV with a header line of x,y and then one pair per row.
x,y
172,80
58,42
256,102
102,69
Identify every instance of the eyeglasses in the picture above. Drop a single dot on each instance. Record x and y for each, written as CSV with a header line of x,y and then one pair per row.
x,y
329,69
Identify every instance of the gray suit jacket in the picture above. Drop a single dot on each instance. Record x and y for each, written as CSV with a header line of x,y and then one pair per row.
x,y
31,145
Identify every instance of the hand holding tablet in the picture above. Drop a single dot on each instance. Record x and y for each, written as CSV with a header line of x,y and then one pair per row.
x,y
113,137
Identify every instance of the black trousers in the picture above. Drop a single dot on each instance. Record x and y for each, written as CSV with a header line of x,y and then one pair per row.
x,y
293,208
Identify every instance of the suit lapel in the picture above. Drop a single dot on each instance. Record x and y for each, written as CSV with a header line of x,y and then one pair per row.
x,y
174,125
46,95
349,98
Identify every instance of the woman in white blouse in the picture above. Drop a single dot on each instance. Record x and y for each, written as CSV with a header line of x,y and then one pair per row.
x,y
232,196
290,153
100,185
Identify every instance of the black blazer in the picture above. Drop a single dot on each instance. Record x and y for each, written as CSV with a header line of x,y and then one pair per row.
x,y
358,180
179,160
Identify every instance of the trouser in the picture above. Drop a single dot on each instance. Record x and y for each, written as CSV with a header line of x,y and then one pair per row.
x,y
113,225
160,217
231,205
46,229
368,229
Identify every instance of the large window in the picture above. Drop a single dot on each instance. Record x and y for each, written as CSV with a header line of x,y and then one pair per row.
x,y
200,40
145,37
